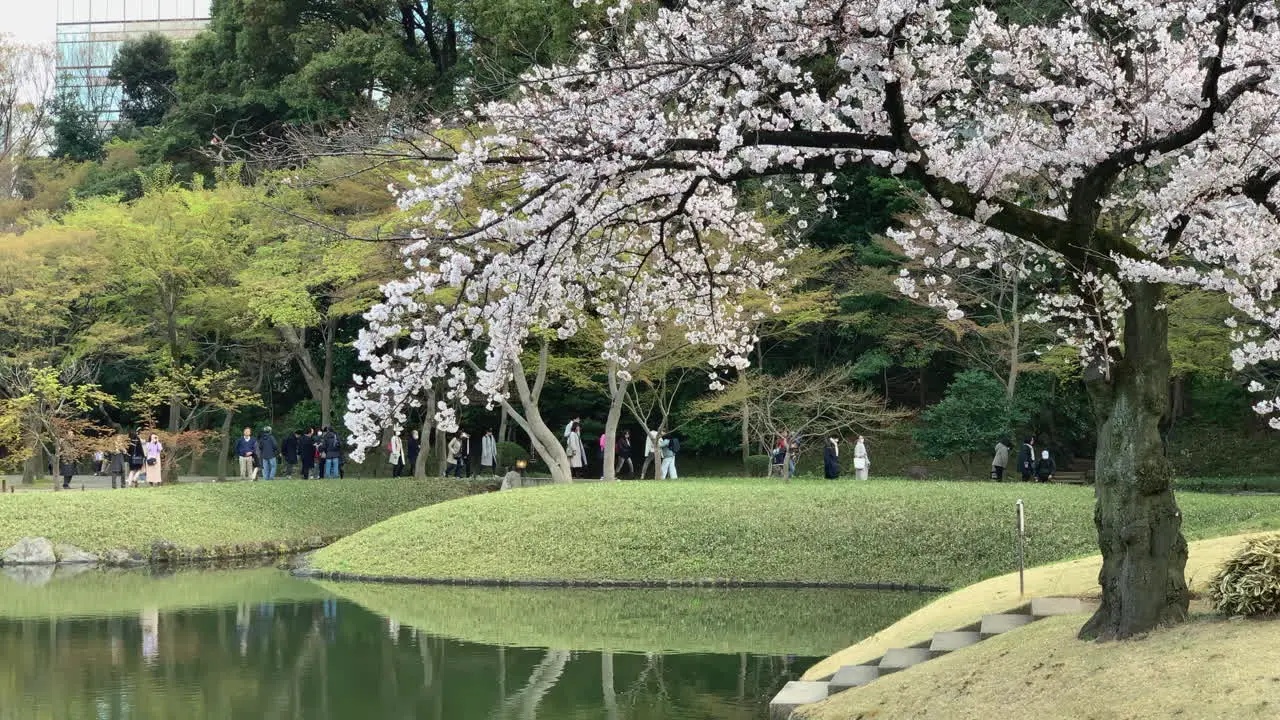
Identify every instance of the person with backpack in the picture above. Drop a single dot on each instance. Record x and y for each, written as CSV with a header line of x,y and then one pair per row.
x,y
1027,459
670,447
1046,468
332,450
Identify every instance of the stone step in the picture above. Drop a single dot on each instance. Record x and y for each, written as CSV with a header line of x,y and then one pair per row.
x,y
1051,606
902,658
793,695
1002,623
948,641
852,676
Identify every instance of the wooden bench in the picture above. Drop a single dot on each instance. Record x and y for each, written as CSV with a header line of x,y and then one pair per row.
x,y
1072,478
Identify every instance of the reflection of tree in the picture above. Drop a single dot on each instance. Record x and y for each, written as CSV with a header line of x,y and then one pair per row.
x,y
524,704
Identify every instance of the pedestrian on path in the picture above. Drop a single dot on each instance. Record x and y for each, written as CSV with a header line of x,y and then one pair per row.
x,y
246,448
307,452
137,457
117,462
574,448
831,459
67,469
1000,461
861,460
670,447
395,455
268,450
1046,468
623,451
650,440
489,453
289,451
331,447
1027,458
154,452
412,448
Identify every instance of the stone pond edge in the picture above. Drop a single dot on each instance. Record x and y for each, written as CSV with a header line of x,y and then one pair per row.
x,y
39,551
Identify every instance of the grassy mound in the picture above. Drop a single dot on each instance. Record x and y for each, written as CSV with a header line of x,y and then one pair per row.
x,y
1073,578
1206,668
884,531
805,622
102,593
213,515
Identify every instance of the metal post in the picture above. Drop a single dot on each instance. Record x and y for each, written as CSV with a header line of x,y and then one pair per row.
x,y
1022,542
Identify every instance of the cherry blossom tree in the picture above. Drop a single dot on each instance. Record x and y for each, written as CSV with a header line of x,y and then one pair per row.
x,y
1130,144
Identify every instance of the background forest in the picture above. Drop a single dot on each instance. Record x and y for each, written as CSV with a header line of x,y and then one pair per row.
x,y
203,266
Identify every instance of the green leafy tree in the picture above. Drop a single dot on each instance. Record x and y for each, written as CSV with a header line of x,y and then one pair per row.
x,y
145,71
972,416
77,135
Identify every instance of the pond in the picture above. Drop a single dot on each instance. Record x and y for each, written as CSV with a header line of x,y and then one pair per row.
x,y
257,643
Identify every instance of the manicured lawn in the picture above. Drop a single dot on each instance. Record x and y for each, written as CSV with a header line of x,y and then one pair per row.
x,y
100,593
1229,484
1208,668
212,515
804,622
941,533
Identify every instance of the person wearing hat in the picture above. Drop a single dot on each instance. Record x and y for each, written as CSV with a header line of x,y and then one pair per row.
x,y
268,449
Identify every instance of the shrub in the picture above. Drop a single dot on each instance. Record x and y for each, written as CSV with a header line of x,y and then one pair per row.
x,y
757,465
1249,583
508,454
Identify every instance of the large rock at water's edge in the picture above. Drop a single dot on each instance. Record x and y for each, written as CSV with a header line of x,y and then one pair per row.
x,y
72,555
30,575
30,551
122,558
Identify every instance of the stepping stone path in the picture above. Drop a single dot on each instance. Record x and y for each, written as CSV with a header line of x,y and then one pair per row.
x,y
797,693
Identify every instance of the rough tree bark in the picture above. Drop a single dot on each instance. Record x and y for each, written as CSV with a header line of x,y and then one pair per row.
x,y
424,436
1139,524
617,395
224,445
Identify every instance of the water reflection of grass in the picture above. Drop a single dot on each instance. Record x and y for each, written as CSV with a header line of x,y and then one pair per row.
x,y
805,622
96,593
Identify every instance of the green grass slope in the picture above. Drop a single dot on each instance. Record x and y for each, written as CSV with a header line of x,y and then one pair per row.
x,y
753,530
213,515
766,621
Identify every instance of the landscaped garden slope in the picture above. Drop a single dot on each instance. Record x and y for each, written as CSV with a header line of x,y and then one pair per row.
x,y
1203,669
1072,578
214,514
97,593
765,621
940,533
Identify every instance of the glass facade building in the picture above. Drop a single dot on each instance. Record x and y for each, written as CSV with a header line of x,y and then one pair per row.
x,y
90,33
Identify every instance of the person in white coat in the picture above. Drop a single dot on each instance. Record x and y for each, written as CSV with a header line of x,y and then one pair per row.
x,y
576,450
489,453
861,461
395,455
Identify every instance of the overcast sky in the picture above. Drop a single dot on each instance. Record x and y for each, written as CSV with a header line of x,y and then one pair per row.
x,y
30,21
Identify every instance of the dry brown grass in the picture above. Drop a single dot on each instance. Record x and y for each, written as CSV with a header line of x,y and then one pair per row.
x,y
1204,669
1074,578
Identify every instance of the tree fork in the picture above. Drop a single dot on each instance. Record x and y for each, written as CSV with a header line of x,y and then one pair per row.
x,y
1144,554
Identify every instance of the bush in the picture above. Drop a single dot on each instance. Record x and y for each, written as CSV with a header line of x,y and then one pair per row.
x,y
508,454
757,465
1249,583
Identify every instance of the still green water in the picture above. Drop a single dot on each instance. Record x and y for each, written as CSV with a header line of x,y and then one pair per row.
x,y
259,644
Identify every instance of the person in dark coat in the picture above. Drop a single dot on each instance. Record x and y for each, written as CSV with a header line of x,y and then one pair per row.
x,y
67,469
289,451
831,459
137,457
411,449
268,453
307,452
1046,468
1027,459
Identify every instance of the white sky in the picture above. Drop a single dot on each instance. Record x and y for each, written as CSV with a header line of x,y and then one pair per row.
x,y
29,21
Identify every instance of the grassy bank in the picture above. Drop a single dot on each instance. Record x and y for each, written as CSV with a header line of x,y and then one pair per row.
x,y
1207,668
942,533
214,515
805,622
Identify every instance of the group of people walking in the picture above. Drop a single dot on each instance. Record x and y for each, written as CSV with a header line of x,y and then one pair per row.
x,y
831,459
317,452
1032,467
131,462
663,446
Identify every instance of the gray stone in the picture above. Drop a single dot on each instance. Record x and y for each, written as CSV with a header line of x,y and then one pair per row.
x,y
950,641
30,551
72,555
793,695
902,658
30,575
1051,606
1002,623
852,676
122,558
63,572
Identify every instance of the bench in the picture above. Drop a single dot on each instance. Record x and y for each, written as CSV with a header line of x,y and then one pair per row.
x,y
1072,478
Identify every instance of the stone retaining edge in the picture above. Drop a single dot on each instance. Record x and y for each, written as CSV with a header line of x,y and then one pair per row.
x,y
314,574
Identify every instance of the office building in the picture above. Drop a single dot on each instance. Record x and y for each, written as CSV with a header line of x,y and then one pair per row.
x,y
90,33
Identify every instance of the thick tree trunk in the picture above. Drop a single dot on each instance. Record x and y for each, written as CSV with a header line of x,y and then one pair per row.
x,y
319,380
224,446
1139,525
617,394
424,436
